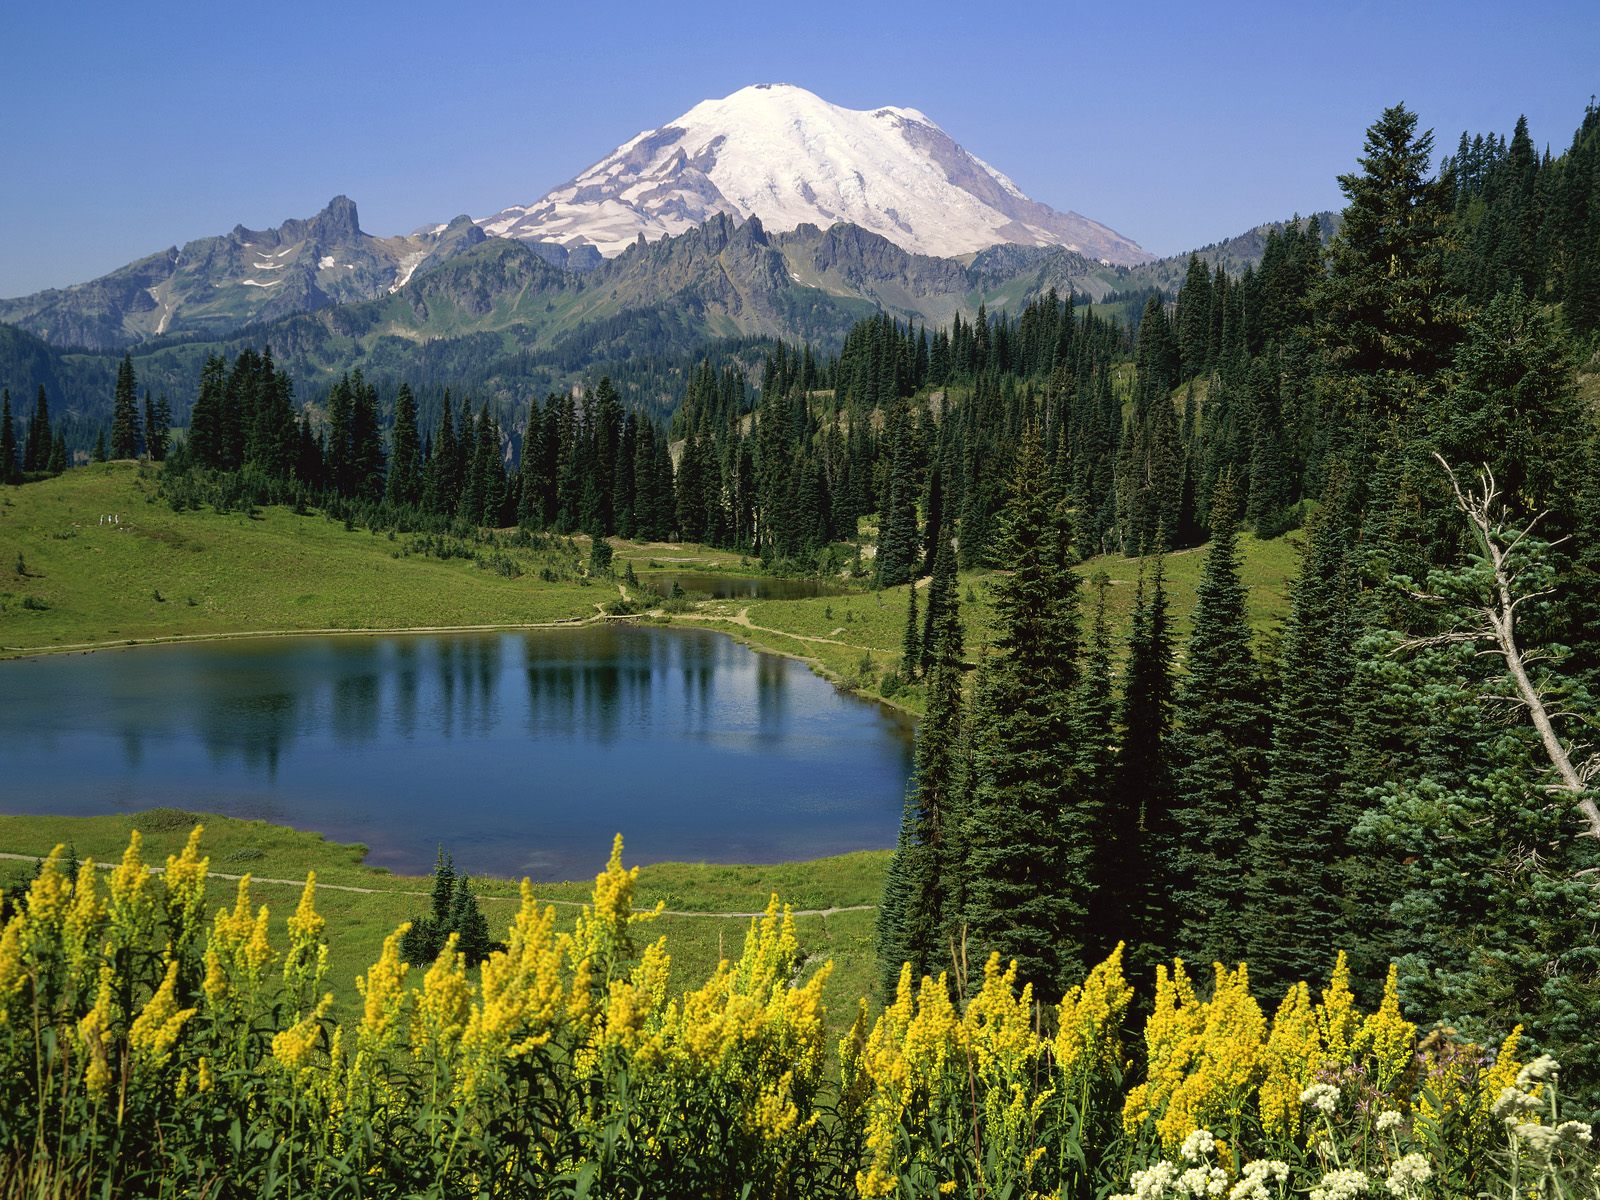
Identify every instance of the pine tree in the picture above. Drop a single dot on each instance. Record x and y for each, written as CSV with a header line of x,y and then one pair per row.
x,y
125,413
1138,840
157,427
1221,736
99,452
1030,850
899,549
1095,715
911,643
36,454
1299,869
404,484
9,472
926,888
942,624
56,463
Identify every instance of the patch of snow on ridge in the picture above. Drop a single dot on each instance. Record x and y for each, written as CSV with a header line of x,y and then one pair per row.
x,y
782,154
325,262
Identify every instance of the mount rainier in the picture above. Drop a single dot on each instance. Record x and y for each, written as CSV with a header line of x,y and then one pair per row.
x,y
788,157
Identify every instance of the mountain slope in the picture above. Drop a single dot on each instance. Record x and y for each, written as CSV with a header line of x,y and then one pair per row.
x,y
784,155
217,285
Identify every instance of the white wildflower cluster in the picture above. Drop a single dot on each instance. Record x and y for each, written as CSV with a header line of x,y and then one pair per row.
x,y
1539,1070
1257,1176
1545,1140
1150,1184
1408,1175
1513,1104
1389,1119
1342,1184
1323,1097
1200,1182
1197,1145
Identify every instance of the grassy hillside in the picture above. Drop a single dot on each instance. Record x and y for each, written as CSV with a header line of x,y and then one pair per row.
x,y
67,579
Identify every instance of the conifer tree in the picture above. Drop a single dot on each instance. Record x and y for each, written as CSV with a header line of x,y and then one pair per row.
x,y
1219,744
1299,868
942,622
57,462
404,484
899,548
157,426
911,643
926,888
125,413
1137,842
8,440
1030,852
1095,715
36,454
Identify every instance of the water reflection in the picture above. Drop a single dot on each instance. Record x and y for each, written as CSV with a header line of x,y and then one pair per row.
x,y
524,752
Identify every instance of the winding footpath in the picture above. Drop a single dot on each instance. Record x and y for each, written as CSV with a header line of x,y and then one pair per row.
x,y
366,891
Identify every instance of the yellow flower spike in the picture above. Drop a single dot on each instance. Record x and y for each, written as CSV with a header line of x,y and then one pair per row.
x,y
1293,1054
132,906
1338,1020
13,971
443,1004
382,992
204,1081
1089,1018
305,962
156,1028
185,882
1387,1036
81,932
292,1048
93,1032
1503,1074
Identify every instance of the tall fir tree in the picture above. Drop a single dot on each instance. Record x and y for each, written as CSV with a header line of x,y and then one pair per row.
x,y
926,888
1030,855
1219,747
125,413
9,472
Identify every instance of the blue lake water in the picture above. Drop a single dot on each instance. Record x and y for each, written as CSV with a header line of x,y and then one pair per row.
x,y
522,753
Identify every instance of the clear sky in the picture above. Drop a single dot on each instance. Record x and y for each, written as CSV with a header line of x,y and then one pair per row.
x,y
128,127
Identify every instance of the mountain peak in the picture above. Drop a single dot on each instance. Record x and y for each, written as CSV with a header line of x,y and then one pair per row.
x,y
784,154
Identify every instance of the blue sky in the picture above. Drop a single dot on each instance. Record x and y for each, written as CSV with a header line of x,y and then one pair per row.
x,y
125,128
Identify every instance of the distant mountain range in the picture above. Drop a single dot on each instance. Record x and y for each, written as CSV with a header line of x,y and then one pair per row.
x,y
770,213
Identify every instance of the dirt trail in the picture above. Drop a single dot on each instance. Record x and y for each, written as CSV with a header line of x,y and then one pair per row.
x,y
366,891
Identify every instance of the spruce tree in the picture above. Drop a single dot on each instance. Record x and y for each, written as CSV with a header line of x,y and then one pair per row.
x,y
1032,825
9,472
56,463
911,643
404,483
899,549
1299,855
1219,747
1137,841
926,888
36,455
125,413
157,427
1095,714
942,622
99,452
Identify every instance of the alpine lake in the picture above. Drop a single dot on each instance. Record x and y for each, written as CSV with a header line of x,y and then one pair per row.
x,y
521,753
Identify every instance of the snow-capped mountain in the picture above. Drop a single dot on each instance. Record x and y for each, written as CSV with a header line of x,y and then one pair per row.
x,y
780,153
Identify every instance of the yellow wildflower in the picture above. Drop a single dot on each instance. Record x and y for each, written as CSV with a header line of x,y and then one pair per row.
x,y
1293,1054
1387,1036
204,1081
132,906
80,934
292,1048
12,969
1090,1016
185,880
157,1027
443,1004
1338,1021
94,1032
